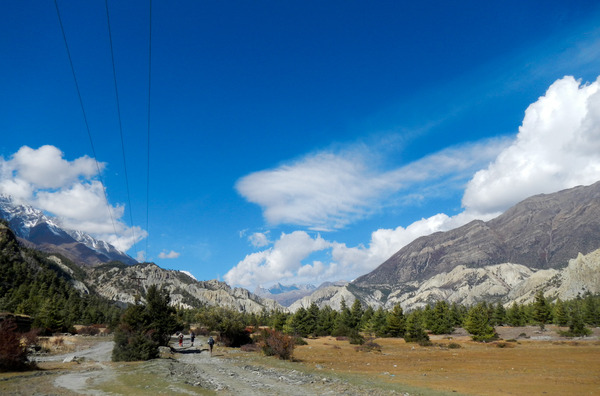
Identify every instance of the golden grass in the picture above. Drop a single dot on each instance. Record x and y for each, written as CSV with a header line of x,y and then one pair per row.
x,y
518,368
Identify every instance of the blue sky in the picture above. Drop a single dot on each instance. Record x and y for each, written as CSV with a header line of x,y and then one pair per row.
x,y
294,141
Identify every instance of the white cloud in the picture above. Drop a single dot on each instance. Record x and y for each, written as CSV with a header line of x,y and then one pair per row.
x,y
557,147
327,191
188,273
68,190
283,260
170,255
259,239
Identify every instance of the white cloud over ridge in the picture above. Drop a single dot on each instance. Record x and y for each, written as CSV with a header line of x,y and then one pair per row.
x,y
169,255
68,190
557,147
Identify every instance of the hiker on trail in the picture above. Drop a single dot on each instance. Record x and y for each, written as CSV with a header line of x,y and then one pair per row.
x,y
211,342
180,340
192,337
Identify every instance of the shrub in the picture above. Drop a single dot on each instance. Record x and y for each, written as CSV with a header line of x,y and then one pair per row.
x,y
356,338
300,341
369,346
89,330
13,352
275,343
454,345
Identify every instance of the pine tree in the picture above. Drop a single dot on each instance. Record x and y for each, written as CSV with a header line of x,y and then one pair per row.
x,y
561,316
591,311
499,316
477,323
144,327
441,319
396,322
356,313
414,328
515,316
542,313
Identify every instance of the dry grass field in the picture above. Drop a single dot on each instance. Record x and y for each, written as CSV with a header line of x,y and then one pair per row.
x,y
524,362
552,366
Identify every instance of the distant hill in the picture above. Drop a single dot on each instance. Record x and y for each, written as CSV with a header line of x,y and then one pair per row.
x,y
285,294
44,233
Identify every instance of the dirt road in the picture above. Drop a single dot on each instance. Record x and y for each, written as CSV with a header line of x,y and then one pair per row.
x,y
191,370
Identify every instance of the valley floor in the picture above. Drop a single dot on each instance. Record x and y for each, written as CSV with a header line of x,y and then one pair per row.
x,y
526,361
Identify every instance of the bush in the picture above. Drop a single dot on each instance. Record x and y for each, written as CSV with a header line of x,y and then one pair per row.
x,y
454,345
13,348
300,341
89,330
275,343
369,346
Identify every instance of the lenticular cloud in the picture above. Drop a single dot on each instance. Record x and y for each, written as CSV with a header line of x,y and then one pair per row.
x,y
557,147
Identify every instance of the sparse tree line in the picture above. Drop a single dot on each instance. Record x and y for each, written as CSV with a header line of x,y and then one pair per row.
x,y
356,322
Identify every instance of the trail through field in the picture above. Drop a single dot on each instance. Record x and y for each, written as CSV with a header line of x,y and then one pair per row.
x,y
192,370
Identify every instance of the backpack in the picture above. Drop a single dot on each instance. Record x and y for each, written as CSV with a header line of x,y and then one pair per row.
x,y
211,341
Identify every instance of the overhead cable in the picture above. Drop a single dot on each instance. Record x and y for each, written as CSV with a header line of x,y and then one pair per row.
x,y
87,126
112,57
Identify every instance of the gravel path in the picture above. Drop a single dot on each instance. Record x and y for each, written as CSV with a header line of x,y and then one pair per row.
x,y
195,366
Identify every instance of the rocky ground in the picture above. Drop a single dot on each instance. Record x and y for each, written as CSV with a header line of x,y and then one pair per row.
x,y
83,366
88,370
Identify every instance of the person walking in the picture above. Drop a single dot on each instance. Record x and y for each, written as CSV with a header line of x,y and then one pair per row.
x,y
192,337
180,340
211,342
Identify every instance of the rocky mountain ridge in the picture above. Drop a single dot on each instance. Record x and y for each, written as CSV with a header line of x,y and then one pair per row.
x,y
506,283
541,232
39,231
543,241
122,283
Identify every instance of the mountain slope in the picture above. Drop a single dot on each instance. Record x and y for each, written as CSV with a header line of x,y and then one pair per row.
x,y
39,231
122,283
541,232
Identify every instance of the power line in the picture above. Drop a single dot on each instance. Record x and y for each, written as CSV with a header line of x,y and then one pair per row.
x,y
112,56
87,126
148,134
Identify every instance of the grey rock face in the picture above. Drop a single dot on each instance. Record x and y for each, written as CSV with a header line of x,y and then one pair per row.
x,y
541,232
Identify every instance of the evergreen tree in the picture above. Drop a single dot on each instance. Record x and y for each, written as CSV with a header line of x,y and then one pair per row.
x,y
441,319
499,317
326,321
414,328
477,323
312,319
515,316
396,322
576,325
591,311
144,327
366,317
356,313
457,313
542,313
378,323
561,315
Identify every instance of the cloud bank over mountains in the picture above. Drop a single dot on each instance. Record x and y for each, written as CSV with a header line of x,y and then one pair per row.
x,y
69,190
557,147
